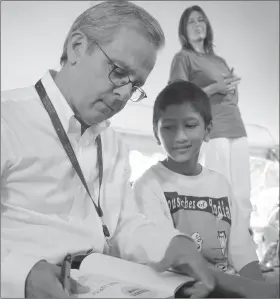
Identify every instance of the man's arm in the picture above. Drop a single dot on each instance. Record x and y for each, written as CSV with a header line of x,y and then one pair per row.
x,y
15,266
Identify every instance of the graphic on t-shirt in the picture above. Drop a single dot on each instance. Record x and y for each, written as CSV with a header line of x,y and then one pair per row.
x,y
223,265
222,237
218,207
198,240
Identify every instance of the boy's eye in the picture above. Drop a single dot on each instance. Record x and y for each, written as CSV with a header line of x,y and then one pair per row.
x,y
192,126
168,127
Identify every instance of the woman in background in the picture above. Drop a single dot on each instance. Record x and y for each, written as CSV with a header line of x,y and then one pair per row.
x,y
227,151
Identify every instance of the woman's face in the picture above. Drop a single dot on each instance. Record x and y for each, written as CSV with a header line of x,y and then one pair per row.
x,y
196,27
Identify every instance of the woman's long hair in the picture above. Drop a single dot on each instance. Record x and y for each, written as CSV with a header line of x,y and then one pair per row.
x,y
183,36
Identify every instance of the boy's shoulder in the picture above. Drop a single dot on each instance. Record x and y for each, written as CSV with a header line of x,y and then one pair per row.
x,y
150,176
158,170
158,173
215,176
151,172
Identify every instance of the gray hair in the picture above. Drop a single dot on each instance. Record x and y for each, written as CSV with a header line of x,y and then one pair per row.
x,y
100,22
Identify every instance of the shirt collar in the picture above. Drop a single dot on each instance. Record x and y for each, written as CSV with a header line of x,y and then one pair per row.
x,y
64,111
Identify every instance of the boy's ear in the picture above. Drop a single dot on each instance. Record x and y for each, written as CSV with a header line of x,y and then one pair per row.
x,y
156,135
208,131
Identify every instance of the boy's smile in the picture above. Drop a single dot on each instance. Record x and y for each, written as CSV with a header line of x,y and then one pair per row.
x,y
182,148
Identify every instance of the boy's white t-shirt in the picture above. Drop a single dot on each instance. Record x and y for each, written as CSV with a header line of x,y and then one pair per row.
x,y
202,207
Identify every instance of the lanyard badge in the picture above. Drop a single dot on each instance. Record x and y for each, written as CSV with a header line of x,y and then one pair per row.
x,y
71,154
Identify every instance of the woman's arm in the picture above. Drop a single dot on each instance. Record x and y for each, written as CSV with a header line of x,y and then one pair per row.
x,y
179,68
225,86
210,89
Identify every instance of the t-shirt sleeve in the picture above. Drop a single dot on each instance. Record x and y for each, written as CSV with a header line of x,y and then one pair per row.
x,y
242,249
150,199
179,68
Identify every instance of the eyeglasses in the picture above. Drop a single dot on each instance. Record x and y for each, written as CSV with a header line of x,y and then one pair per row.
x,y
119,77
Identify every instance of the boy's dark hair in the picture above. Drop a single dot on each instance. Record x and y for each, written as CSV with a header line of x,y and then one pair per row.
x,y
179,92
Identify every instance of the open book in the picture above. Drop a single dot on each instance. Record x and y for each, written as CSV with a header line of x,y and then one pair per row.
x,y
108,276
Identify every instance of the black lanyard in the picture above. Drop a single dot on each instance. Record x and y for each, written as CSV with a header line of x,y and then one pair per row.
x,y
70,152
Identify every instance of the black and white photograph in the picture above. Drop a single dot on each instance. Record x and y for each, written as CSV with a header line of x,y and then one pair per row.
x,y
140,149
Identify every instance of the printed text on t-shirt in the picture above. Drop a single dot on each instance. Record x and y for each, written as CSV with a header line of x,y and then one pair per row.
x,y
219,207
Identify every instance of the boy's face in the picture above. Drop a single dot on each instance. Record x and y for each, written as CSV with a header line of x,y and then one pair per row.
x,y
181,131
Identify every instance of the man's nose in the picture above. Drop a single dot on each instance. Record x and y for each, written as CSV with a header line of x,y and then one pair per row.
x,y
124,92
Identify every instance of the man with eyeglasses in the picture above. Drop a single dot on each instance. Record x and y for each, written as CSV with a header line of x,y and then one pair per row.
x,y
120,77
65,173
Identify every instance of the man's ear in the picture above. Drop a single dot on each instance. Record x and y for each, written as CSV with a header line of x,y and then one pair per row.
x,y
208,132
77,46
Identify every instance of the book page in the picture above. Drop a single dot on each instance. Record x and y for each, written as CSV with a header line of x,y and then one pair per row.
x,y
106,287
132,273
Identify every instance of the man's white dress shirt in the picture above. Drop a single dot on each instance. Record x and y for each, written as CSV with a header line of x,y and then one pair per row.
x,y
45,210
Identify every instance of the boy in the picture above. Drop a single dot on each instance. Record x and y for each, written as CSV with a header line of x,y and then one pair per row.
x,y
179,192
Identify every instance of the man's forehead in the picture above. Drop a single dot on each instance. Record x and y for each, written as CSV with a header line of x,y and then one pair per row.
x,y
131,51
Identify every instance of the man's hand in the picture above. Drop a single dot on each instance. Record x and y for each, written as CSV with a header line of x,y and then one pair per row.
x,y
44,281
182,255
